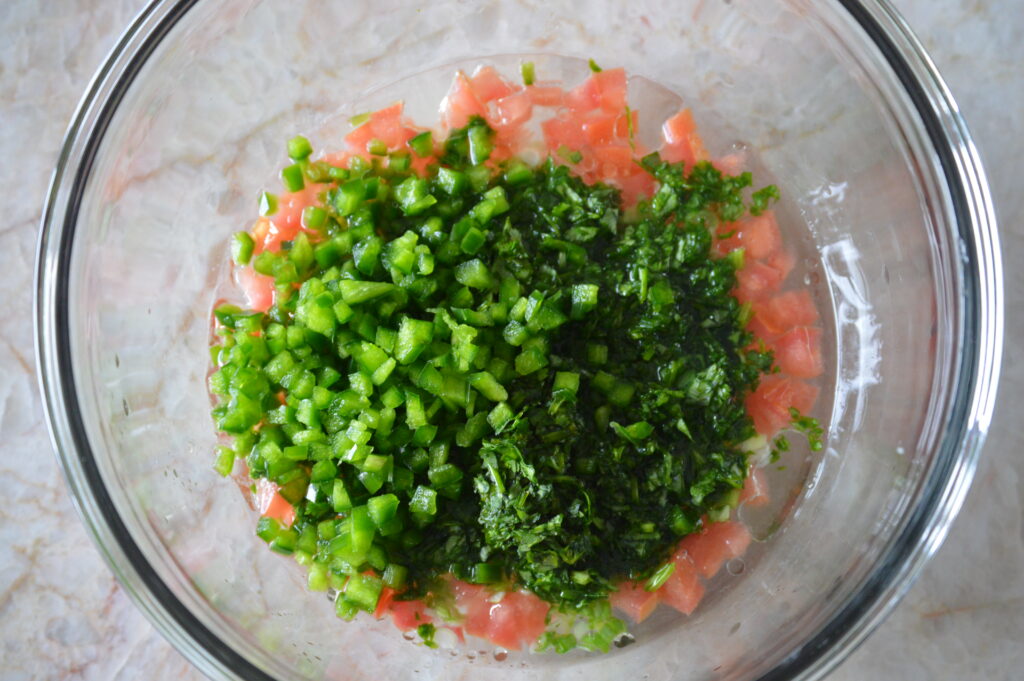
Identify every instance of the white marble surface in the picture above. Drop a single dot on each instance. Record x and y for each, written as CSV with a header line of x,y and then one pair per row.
x,y
62,616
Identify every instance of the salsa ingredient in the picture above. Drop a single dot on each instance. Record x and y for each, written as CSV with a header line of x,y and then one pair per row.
x,y
464,373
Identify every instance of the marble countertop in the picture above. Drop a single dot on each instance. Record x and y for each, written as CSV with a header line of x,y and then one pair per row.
x,y
63,616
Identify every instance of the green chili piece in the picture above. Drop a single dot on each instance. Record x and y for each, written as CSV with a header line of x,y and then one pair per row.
x,y
526,69
299,148
292,178
422,144
241,248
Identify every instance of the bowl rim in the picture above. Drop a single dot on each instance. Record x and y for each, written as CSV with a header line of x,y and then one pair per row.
x,y
922,534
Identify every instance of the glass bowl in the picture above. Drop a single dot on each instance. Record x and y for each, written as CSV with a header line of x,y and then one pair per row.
x,y
884,197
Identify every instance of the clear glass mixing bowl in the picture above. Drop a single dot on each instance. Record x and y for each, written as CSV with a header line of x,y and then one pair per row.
x,y
883,192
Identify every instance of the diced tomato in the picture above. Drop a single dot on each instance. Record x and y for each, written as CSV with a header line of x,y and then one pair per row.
x,y
760,331
717,543
546,95
563,131
760,235
461,103
731,164
513,109
678,129
357,140
624,122
614,162
682,143
584,97
339,159
488,85
603,90
756,281
287,221
409,614
798,352
769,405
768,417
473,601
786,310
634,600
678,153
271,504
755,489
727,238
599,128
518,618
260,230
258,288
635,187
683,589
419,165
783,262
385,125
387,595
611,89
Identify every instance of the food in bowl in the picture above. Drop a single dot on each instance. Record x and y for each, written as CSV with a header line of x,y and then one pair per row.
x,y
510,379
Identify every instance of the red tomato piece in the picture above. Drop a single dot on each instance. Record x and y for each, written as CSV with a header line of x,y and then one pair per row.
x,y
760,235
614,162
287,221
359,138
755,489
761,332
626,121
678,129
727,238
562,131
635,187
338,159
682,143
409,614
635,601
611,89
731,164
518,618
798,352
683,590
260,230
786,310
783,262
599,128
584,97
546,95
388,127
678,153
768,417
756,281
513,109
769,405
271,504
258,288
385,125
488,85
387,595
717,543
461,103
475,605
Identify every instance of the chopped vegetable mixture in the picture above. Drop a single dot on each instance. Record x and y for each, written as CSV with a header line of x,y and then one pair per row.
x,y
475,371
